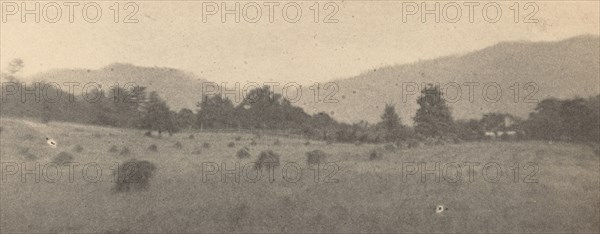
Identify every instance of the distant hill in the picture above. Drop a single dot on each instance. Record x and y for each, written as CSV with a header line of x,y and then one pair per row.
x,y
561,69
179,88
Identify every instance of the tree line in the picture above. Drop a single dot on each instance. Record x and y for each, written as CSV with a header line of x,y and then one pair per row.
x,y
262,109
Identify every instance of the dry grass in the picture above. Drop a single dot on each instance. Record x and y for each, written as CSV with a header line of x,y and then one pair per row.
x,y
371,196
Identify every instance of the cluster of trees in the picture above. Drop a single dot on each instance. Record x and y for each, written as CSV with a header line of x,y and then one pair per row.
x,y
574,119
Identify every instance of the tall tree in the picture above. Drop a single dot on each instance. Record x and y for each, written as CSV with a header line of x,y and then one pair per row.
x,y
433,118
156,115
390,121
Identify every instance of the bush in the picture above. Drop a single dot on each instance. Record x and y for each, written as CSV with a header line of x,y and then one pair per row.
x,y
134,175
315,157
277,143
113,149
78,149
268,158
375,155
253,142
125,151
191,136
206,145
358,143
148,134
153,148
63,158
307,143
178,145
329,142
238,138
231,145
243,153
97,135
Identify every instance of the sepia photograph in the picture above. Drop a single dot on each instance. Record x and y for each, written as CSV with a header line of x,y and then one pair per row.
x,y
300,116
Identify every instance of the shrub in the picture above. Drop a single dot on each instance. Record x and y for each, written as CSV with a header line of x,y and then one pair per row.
x,y
231,145
178,145
238,138
358,143
153,148
206,145
148,134
389,147
307,143
277,143
113,149
97,135
253,142
191,136
315,157
134,175
329,142
375,155
243,153
62,158
125,151
268,158
78,149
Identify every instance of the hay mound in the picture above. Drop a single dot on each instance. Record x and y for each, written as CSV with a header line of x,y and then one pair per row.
x,y
268,159
124,151
197,151
153,148
413,144
28,155
376,155
63,158
78,149
134,175
113,149
389,148
315,157
243,153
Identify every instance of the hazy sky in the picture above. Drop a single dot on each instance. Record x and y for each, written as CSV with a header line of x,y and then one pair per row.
x,y
368,35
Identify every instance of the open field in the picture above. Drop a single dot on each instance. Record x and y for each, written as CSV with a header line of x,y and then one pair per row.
x,y
560,193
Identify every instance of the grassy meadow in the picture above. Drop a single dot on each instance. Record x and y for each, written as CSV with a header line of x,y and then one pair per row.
x,y
555,188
